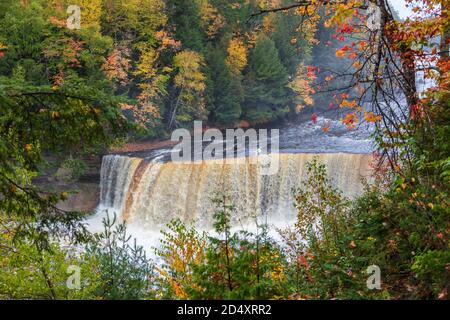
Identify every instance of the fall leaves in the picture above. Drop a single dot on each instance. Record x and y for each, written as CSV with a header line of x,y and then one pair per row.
x,y
2,50
350,120
117,65
300,84
237,55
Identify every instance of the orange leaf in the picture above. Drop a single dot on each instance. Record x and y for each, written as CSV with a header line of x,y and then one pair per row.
x,y
362,45
350,120
340,53
371,117
357,65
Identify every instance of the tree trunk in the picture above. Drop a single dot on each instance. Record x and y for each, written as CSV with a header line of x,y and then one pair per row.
x,y
408,69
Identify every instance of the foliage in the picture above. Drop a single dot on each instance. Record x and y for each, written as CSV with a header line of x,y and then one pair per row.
x,y
190,83
236,56
26,272
226,89
133,50
384,228
320,261
75,167
43,111
180,249
292,37
166,63
240,265
266,95
53,98
110,267
124,271
186,16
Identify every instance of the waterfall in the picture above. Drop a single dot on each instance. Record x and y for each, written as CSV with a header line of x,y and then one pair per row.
x,y
150,194
116,175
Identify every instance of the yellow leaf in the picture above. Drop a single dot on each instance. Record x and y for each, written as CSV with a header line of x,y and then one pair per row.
x,y
371,117
55,114
237,55
299,108
348,104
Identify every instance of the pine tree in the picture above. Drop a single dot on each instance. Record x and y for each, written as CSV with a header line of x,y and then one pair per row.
x,y
185,15
225,89
237,265
267,96
292,47
133,20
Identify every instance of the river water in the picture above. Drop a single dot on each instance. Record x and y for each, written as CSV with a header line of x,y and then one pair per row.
x,y
147,190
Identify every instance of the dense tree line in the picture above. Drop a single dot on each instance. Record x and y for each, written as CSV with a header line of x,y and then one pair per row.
x,y
170,61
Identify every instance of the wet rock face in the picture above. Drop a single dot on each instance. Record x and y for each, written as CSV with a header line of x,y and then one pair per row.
x,y
84,192
82,197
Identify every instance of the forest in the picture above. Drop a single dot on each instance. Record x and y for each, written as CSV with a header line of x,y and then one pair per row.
x,y
76,87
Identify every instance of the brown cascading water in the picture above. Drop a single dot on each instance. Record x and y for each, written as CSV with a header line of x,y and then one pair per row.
x,y
151,194
116,175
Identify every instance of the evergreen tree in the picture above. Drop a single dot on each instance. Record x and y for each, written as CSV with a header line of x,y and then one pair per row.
x,y
185,16
235,13
124,269
225,88
266,94
132,20
292,47
237,265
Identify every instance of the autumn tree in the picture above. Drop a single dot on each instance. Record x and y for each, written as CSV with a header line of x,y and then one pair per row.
x,y
137,28
181,248
212,20
300,85
53,98
322,214
189,83
384,56
237,55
